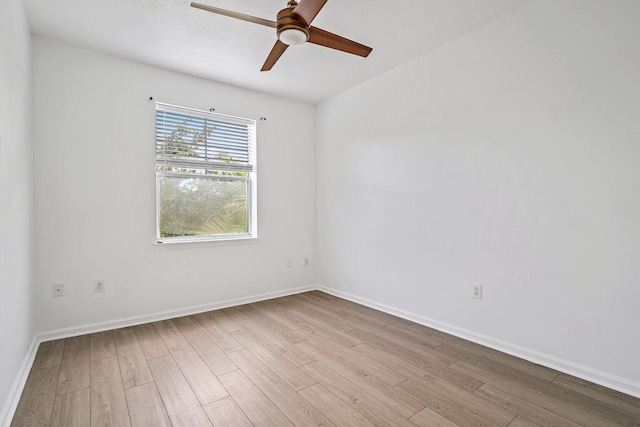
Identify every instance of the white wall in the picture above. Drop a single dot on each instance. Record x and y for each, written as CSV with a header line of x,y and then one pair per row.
x,y
95,192
509,158
16,196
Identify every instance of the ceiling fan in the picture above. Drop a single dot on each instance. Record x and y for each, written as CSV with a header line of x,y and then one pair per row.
x,y
293,27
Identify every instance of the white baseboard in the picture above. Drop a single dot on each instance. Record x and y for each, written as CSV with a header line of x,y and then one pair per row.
x,y
16,391
163,315
586,373
11,403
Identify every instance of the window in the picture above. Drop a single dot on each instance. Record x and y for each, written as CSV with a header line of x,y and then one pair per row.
x,y
205,175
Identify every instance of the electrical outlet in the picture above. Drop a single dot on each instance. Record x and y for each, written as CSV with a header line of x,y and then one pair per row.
x,y
306,261
98,286
477,291
58,290
289,263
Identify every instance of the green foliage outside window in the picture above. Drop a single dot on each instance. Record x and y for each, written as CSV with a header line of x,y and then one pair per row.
x,y
202,207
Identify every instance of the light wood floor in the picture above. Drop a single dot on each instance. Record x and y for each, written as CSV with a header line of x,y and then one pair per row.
x,y
308,359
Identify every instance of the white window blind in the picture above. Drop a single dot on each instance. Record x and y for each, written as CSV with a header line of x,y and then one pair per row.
x,y
193,139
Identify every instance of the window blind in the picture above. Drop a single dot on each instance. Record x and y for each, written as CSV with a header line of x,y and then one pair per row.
x,y
193,139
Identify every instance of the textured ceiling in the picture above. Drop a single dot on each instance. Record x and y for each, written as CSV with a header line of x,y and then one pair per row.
x,y
172,35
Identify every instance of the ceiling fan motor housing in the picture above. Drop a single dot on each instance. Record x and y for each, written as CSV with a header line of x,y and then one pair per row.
x,y
293,27
290,30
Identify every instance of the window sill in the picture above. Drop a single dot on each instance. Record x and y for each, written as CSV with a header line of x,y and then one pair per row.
x,y
226,241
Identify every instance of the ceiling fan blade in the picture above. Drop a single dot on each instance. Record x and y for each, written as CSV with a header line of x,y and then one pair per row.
x,y
306,10
334,41
274,55
236,15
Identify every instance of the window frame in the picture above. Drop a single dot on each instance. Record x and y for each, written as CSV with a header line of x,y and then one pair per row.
x,y
250,179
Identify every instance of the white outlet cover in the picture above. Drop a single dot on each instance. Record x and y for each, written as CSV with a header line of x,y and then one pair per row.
x,y
58,290
477,291
98,286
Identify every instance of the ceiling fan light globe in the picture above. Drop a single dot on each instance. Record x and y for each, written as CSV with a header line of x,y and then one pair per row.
x,y
292,37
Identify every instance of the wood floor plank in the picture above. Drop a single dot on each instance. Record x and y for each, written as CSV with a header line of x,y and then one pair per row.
x,y
337,333
541,372
211,354
258,408
101,345
225,321
330,298
133,364
436,334
274,304
294,354
613,398
349,307
407,344
237,313
485,363
385,393
416,354
328,302
283,317
145,407
343,303
321,304
449,390
446,407
373,409
289,318
226,413
167,329
308,313
477,403
397,335
49,354
108,403
287,301
432,373
276,328
523,422
36,403
75,370
320,329
381,371
335,409
203,382
379,318
530,411
564,409
290,403
295,377
532,382
429,418
216,332
72,409
150,341
181,403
